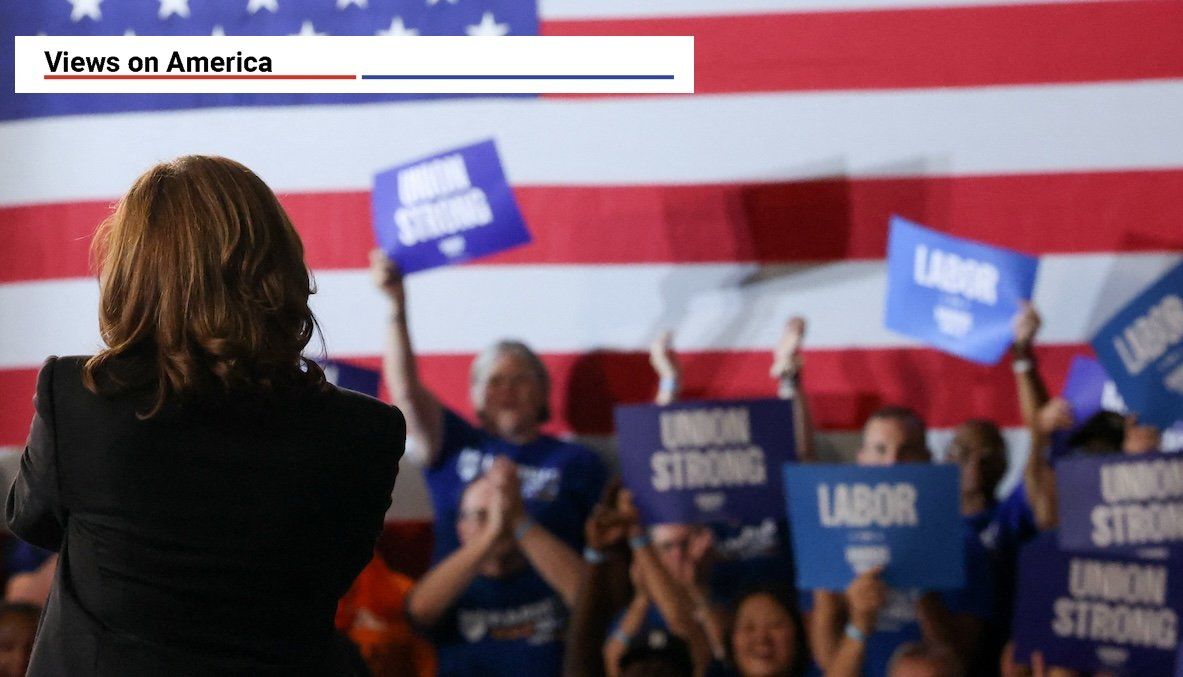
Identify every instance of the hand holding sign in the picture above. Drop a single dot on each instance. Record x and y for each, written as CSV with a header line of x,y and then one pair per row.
x,y
388,278
865,596
1026,325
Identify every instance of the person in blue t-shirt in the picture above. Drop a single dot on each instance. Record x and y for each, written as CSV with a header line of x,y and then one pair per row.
x,y
855,631
498,604
510,389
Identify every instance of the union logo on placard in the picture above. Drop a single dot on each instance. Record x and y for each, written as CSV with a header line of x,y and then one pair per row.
x,y
710,502
452,246
1174,380
1112,655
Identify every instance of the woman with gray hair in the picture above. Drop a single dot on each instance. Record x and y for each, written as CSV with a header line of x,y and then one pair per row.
x,y
510,393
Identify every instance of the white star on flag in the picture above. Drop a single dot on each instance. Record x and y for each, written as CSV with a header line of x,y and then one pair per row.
x,y
85,8
218,31
397,29
129,33
171,7
307,29
253,6
488,26
435,2
342,4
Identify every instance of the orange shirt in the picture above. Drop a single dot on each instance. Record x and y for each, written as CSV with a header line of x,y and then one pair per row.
x,y
371,615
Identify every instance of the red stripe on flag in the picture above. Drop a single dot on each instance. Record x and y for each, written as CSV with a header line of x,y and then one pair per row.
x,y
844,385
815,220
931,47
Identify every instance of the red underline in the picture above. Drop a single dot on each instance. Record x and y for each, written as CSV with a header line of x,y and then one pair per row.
x,y
200,77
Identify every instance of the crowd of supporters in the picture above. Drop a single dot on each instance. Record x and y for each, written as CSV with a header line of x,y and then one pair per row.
x,y
542,566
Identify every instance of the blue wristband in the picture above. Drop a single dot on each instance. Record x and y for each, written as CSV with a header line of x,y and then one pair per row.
x,y
593,556
639,541
854,633
523,526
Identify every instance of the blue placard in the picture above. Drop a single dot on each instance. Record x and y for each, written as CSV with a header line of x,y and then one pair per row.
x,y
451,207
708,461
1142,349
847,519
1096,612
352,377
1119,503
954,294
1088,389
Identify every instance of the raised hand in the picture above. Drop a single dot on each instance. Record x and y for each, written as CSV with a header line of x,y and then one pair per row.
x,y
1053,416
1026,324
786,356
865,596
387,276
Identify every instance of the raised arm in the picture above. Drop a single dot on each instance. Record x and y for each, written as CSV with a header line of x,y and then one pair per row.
x,y
1032,391
664,361
443,584
865,596
674,603
1039,478
423,411
604,590
560,566
786,369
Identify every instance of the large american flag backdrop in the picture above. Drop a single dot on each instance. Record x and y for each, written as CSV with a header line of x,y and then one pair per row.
x,y
1052,128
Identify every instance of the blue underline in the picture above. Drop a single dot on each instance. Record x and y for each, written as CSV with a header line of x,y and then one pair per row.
x,y
517,77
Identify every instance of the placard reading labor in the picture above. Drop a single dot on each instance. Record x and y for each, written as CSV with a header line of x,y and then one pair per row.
x,y
446,208
1142,349
848,519
708,461
1119,503
954,294
352,377
1096,612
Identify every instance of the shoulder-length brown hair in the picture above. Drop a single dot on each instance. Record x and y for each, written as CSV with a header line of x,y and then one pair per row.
x,y
203,286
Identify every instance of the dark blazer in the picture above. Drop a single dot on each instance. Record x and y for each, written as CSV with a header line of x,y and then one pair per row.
x,y
205,540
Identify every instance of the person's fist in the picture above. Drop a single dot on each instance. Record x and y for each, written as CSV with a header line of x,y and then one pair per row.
x,y
865,596
786,357
1026,325
1055,415
386,275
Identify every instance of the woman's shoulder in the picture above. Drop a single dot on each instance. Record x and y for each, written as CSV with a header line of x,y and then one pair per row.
x,y
360,406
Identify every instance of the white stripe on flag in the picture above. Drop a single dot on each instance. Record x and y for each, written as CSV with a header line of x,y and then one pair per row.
x,y
579,308
766,137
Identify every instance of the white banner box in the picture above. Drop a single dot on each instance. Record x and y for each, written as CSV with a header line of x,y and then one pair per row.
x,y
362,64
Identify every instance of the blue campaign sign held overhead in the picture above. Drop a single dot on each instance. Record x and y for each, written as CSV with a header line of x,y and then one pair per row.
x,y
848,519
1142,349
1096,613
708,461
448,208
1122,504
352,377
954,294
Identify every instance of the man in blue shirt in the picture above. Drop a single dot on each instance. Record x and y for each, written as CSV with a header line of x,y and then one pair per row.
x,y
498,604
510,389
